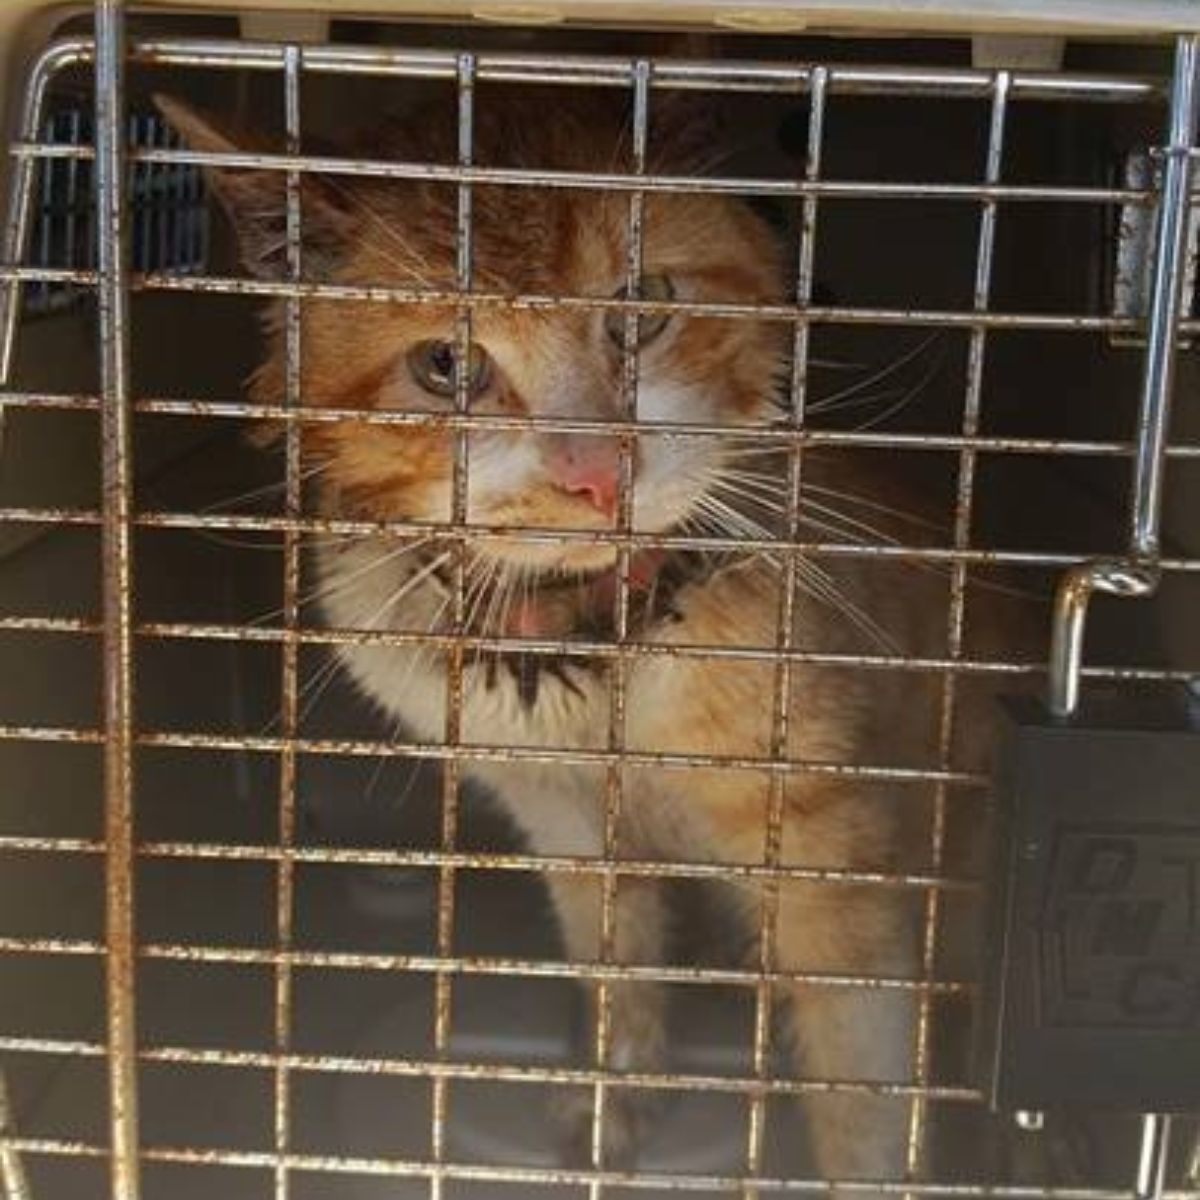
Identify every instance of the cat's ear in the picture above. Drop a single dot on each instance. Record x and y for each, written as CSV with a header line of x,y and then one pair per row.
x,y
256,200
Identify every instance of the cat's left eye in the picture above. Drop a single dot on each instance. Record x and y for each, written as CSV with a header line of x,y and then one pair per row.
x,y
654,287
432,366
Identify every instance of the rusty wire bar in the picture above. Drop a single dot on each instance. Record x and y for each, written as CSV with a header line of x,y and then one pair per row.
x,y
504,1072
290,647
614,790
323,636
513,968
770,435
787,314
536,1177
478,861
117,550
608,181
244,410
781,698
535,535
956,618
464,77
439,751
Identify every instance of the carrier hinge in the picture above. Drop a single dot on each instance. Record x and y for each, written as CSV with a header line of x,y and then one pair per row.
x,y
1134,252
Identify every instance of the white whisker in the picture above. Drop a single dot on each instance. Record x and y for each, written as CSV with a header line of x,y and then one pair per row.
x,y
832,402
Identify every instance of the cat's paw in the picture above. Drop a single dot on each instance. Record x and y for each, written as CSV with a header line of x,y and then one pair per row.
x,y
627,1118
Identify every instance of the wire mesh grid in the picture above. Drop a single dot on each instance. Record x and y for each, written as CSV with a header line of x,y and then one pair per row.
x,y
119,519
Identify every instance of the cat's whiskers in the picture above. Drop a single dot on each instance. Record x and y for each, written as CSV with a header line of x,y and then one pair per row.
x,y
822,586
268,489
477,592
386,229
860,501
495,590
904,401
814,580
765,489
845,526
368,619
517,575
341,583
416,660
833,402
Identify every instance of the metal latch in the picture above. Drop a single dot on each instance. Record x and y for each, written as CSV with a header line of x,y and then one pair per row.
x,y
1133,261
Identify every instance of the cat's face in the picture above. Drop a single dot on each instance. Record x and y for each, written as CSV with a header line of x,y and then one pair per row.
x,y
544,362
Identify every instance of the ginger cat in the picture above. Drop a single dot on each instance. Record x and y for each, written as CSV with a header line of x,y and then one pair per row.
x,y
567,363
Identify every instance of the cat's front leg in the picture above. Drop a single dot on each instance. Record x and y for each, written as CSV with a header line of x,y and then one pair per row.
x,y
636,1009
859,1035
563,816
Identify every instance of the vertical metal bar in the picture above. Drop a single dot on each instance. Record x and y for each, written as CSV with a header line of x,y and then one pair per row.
x,y
16,235
289,648
116,549
781,703
956,620
451,773
1166,302
45,250
74,200
178,209
141,214
618,670
12,1172
16,228
1152,1157
160,189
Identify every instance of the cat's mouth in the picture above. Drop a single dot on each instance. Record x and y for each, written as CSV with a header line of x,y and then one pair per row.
x,y
556,606
557,603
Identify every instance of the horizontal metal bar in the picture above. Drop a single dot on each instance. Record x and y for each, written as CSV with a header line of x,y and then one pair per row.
x,y
475,534
608,181
597,70
683,1081
515,968
449,297
766,435
441,751
321,636
729,872
558,1176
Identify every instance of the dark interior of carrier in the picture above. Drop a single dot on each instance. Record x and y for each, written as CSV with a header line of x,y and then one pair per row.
x,y
355,1005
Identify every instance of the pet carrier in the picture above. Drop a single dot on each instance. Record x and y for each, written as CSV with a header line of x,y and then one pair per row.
x,y
259,938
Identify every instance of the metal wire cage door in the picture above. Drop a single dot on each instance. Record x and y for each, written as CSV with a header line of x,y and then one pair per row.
x,y
174,961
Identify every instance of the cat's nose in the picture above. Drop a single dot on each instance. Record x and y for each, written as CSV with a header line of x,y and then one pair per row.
x,y
589,467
